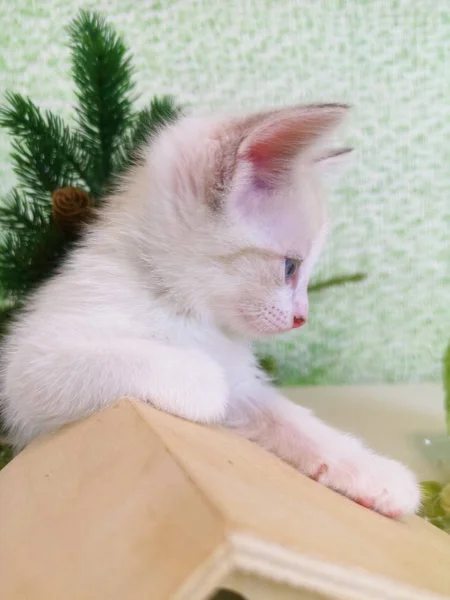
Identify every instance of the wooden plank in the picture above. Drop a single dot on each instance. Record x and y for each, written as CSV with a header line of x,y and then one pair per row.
x,y
101,510
133,503
268,500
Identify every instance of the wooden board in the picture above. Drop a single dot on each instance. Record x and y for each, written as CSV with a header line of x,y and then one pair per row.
x,y
101,511
133,503
265,499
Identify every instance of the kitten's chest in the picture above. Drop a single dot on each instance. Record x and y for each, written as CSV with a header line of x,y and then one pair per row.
x,y
235,357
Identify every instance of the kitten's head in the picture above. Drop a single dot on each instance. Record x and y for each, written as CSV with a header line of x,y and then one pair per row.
x,y
238,216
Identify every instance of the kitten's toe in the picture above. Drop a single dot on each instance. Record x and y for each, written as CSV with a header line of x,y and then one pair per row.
x,y
375,482
396,491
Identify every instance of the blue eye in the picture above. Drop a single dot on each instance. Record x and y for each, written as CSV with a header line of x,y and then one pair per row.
x,y
290,268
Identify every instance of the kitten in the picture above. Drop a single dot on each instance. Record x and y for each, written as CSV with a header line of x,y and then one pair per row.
x,y
208,243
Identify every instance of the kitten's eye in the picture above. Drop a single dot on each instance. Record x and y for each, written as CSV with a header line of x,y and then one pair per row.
x,y
290,268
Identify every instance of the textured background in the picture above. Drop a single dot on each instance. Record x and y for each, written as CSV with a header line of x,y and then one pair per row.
x,y
390,59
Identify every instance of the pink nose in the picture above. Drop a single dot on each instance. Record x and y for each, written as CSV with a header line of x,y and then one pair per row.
x,y
298,322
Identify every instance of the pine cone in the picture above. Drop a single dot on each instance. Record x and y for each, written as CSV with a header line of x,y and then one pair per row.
x,y
72,208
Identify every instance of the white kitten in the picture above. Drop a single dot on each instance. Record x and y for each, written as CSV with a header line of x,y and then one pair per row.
x,y
208,244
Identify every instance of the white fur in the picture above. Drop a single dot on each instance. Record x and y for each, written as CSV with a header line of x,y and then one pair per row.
x,y
160,302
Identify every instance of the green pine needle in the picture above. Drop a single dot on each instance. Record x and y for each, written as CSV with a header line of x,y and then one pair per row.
x,y
161,111
28,260
46,154
7,312
21,216
149,121
336,281
25,225
102,71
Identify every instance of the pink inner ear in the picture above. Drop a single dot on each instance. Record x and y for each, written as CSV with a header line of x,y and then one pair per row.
x,y
272,151
273,145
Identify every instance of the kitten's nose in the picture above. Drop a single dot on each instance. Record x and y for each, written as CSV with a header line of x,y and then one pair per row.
x,y
298,322
300,314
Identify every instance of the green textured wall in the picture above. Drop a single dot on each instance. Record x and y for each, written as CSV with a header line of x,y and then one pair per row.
x,y
391,60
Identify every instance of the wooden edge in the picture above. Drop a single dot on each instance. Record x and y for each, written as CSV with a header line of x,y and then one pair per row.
x,y
276,563
209,577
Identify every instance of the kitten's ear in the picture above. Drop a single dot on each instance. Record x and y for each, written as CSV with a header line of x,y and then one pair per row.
x,y
273,144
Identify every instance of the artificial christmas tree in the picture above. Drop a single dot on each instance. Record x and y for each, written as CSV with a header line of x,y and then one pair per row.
x,y
64,173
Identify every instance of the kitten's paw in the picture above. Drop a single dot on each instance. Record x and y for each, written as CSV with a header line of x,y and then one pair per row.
x,y
376,482
194,387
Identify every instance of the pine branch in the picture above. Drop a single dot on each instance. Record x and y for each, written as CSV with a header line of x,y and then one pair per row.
x,y
7,312
19,215
28,260
101,68
162,111
336,281
46,154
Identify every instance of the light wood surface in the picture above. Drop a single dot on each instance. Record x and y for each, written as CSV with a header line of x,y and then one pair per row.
x,y
266,499
102,511
133,503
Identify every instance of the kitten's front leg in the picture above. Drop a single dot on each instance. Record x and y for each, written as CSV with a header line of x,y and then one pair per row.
x,y
60,380
327,455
